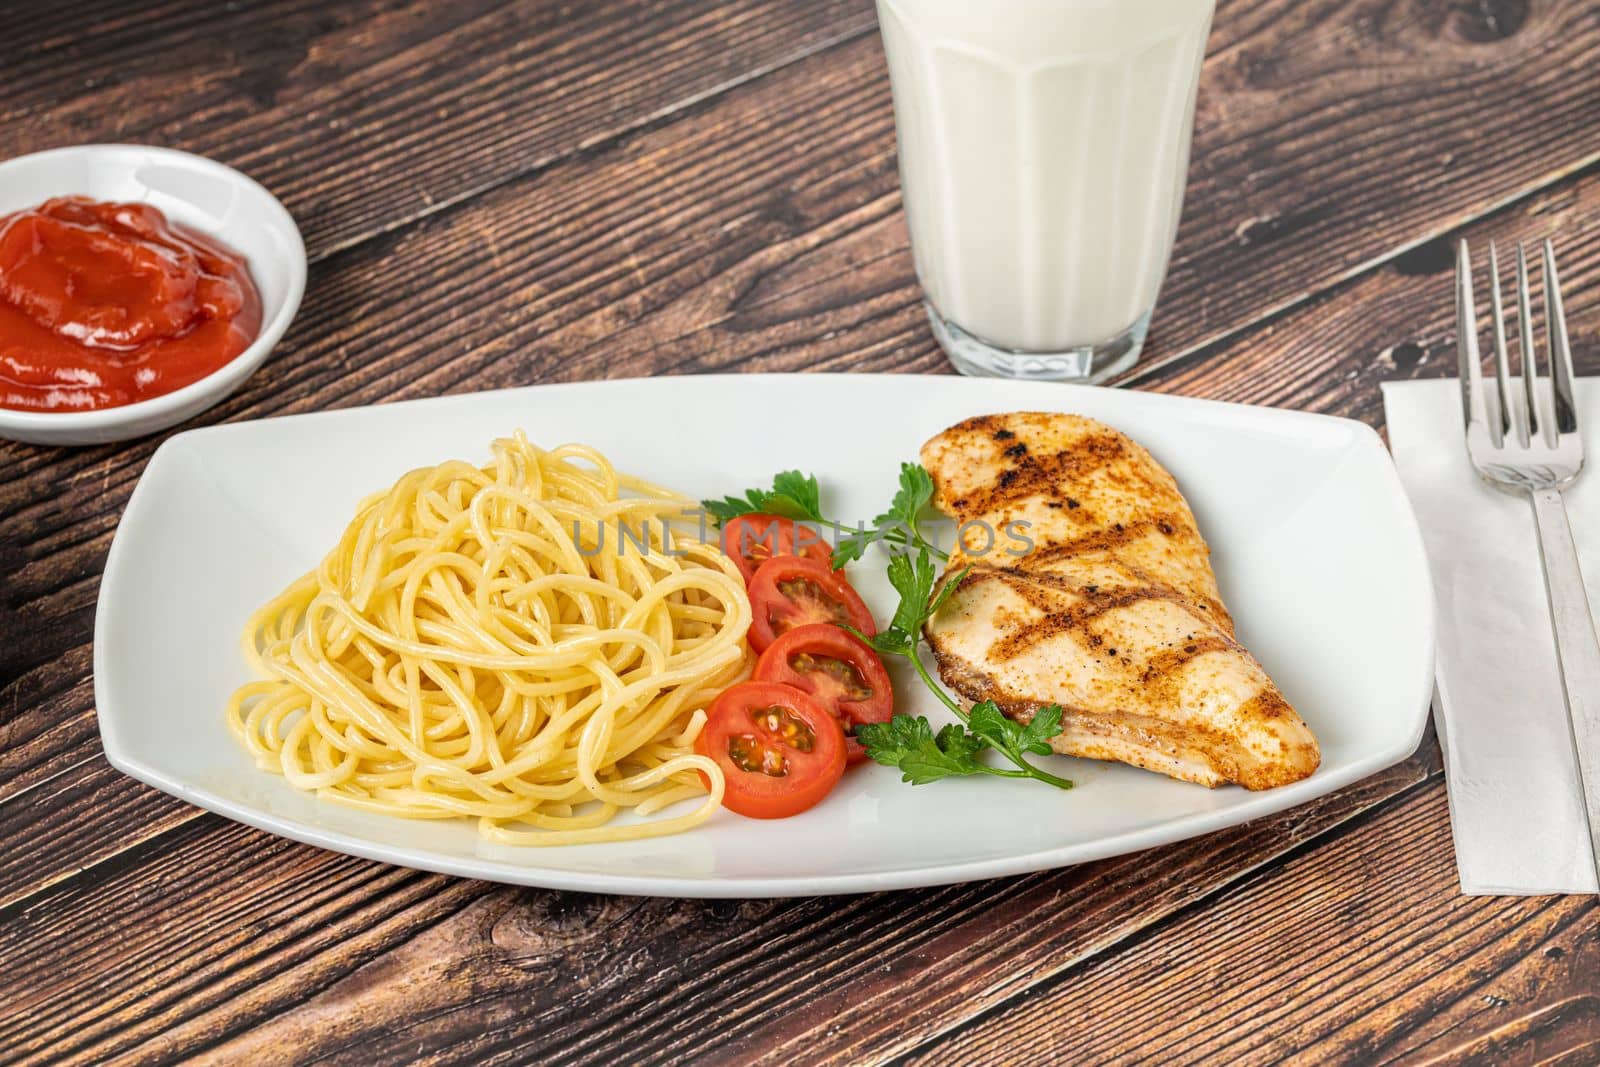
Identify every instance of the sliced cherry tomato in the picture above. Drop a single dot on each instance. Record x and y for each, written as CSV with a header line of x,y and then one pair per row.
x,y
791,591
836,669
751,540
780,751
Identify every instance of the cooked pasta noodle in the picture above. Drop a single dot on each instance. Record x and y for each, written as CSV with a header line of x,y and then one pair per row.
x,y
485,642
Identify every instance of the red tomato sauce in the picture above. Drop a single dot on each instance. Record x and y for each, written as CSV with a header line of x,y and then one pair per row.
x,y
106,304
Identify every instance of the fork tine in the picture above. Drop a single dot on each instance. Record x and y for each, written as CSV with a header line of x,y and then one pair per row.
x,y
1510,417
1530,358
1467,354
1566,410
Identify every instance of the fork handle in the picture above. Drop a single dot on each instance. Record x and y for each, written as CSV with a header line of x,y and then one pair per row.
x,y
1576,648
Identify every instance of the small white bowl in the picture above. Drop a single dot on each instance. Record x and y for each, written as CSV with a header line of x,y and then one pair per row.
x,y
189,189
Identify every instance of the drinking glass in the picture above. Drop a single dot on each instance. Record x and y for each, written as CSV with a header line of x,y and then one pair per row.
x,y
1044,146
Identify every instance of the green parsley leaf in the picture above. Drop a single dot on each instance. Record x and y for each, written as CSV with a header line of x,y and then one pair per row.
x,y
910,745
731,507
990,723
916,493
850,547
1045,724
793,496
890,642
913,579
803,490
898,526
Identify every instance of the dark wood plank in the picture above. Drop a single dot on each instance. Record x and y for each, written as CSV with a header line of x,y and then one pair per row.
x,y
363,116
208,939
47,727
287,902
78,818
1334,136
1360,950
652,253
1398,322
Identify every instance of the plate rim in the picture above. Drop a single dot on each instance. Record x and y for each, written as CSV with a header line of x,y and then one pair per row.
x,y
1364,438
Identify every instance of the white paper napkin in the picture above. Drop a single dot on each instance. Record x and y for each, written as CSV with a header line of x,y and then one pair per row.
x,y
1515,807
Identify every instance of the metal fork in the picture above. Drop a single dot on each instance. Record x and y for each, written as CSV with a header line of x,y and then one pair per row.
x,y
1523,438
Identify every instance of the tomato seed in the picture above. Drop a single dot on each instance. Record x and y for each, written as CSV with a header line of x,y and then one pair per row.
x,y
840,671
749,754
786,726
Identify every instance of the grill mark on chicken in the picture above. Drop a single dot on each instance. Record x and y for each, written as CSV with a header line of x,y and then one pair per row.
x,y
1099,600
1167,663
1030,474
1114,536
1057,620
1093,602
1174,527
1038,598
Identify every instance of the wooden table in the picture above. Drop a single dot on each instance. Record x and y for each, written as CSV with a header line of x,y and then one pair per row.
x,y
498,193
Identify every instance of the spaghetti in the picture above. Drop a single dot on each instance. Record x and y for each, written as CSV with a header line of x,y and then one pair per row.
x,y
501,643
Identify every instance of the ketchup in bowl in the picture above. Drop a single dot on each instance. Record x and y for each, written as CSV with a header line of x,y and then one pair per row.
x,y
106,304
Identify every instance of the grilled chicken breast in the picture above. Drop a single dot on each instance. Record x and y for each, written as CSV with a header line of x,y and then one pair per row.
x,y
1114,614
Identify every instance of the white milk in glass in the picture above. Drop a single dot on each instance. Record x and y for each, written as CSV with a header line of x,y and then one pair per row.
x,y
1044,146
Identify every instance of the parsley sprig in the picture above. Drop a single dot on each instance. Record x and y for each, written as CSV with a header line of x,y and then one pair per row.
x,y
909,743
900,526
797,496
793,496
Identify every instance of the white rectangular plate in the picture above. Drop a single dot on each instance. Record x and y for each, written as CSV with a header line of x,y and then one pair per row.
x,y
1315,546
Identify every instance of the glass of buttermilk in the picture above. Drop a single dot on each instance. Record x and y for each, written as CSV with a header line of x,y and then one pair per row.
x,y
1044,146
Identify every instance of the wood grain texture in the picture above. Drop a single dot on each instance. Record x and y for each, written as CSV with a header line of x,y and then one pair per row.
x,y
365,116
77,819
1398,322
503,193
1332,137
1357,951
219,938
